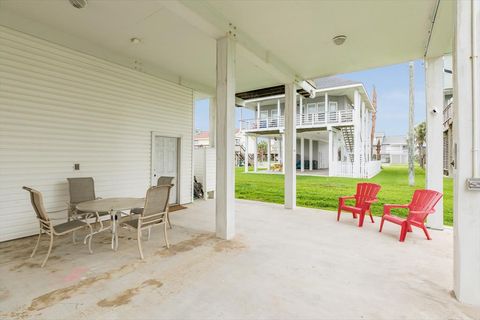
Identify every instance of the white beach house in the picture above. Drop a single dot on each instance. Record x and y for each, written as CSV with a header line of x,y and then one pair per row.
x,y
333,126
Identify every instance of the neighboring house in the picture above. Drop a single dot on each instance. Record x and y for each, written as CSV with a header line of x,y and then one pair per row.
x,y
394,149
201,139
447,116
333,129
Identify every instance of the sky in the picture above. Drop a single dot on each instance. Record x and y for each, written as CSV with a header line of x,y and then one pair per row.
x,y
392,85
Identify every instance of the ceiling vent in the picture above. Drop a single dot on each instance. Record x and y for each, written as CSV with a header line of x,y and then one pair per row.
x,y
79,4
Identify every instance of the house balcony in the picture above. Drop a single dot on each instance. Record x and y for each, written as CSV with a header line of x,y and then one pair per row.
x,y
309,120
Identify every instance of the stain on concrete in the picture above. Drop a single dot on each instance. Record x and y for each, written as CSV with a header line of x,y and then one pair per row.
x,y
4,294
187,245
228,245
55,296
126,296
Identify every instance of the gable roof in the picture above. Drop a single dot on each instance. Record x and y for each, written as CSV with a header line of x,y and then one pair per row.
x,y
395,140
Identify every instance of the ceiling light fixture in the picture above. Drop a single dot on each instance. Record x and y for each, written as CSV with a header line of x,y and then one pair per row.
x,y
339,40
79,4
135,40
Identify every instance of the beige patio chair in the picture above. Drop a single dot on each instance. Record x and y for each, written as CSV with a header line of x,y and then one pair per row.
x,y
162,181
46,225
154,213
81,190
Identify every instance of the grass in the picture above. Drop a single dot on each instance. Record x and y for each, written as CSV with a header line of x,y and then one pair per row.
x,y
323,192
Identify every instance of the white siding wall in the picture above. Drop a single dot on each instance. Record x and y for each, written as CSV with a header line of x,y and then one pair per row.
x,y
59,107
204,168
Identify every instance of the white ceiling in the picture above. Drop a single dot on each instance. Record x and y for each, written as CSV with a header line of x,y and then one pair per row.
x,y
296,33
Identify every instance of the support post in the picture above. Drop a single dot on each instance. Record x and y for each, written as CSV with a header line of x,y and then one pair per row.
x,y
225,148
302,154
434,165
212,112
290,146
331,164
283,152
301,111
255,154
310,154
269,145
247,137
357,144
466,95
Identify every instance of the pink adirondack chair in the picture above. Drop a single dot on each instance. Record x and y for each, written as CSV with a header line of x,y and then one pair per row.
x,y
365,196
422,204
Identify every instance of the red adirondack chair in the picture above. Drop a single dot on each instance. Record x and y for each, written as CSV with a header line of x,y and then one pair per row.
x,y
423,203
365,196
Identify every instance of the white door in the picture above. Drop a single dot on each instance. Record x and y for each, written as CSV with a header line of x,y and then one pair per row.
x,y
165,161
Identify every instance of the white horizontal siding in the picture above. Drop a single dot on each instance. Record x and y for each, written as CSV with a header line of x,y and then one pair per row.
x,y
210,169
59,107
205,167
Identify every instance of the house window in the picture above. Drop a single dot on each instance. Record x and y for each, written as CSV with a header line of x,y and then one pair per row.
x,y
332,106
321,107
311,108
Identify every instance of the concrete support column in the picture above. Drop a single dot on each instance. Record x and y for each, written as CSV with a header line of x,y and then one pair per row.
x,y
434,136
247,137
283,152
269,145
331,164
225,147
466,95
310,154
290,146
255,154
302,154
357,142
212,112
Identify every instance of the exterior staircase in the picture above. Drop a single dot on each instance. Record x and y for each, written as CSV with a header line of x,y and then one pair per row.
x,y
348,137
240,155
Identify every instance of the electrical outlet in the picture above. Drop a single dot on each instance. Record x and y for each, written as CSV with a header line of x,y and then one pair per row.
x,y
76,166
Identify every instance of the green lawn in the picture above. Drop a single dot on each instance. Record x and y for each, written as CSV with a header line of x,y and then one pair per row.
x,y
323,192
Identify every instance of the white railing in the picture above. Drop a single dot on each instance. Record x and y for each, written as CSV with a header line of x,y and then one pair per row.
x,y
373,168
305,120
343,169
346,169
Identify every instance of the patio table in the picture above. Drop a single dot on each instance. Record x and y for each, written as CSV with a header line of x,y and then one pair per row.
x,y
113,206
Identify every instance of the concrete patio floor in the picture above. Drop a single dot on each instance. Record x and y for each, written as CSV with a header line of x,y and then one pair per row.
x,y
282,265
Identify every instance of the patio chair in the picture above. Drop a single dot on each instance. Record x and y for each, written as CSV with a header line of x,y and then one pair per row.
x,y
154,213
162,181
365,196
80,190
46,225
423,203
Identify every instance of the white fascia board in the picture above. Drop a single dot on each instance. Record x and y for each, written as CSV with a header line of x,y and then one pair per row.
x,y
205,18
278,96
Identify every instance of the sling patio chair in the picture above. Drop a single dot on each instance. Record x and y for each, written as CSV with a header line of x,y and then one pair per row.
x,y
46,225
364,197
423,203
154,213
162,181
81,190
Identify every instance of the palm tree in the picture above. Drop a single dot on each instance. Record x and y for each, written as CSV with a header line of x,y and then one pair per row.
x,y
262,150
420,135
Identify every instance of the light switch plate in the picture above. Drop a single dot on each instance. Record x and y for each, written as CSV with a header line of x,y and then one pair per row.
x,y
473,184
